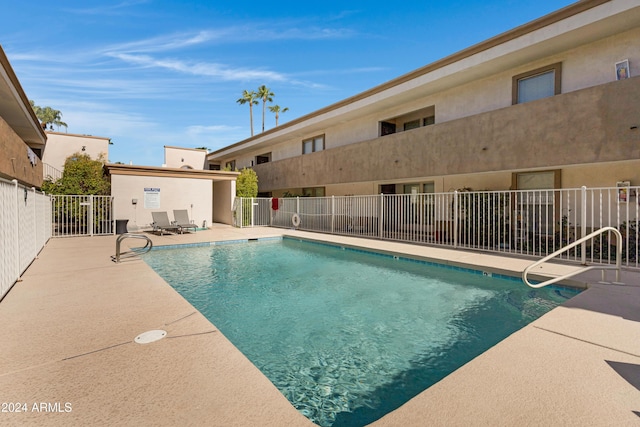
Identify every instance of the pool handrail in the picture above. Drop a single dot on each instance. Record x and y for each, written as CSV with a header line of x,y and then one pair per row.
x,y
134,251
586,268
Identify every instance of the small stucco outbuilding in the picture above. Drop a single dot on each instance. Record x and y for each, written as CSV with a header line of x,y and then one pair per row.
x,y
139,190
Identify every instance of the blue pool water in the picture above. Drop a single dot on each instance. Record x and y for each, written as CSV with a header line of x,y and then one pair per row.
x,y
348,336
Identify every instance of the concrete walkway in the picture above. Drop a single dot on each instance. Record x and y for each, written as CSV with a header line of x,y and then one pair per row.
x,y
68,356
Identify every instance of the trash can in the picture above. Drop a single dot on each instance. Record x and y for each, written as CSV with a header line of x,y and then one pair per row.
x,y
121,226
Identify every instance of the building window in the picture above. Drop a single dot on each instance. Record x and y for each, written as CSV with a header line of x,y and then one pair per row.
x,y
387,128
427,121
411,120
413,124
388,188
263,158
312,145
537,84
543,180
231,166
411,188
429,188
313,192
536,204
214,167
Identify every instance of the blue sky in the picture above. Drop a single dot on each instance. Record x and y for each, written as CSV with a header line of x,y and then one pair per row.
x,y
149,73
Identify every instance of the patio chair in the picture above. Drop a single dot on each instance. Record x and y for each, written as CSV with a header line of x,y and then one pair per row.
x,y
182,220
161,223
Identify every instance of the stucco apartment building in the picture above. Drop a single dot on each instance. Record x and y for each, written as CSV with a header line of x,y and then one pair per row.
x,y
553,103
22,139
62,145
28,153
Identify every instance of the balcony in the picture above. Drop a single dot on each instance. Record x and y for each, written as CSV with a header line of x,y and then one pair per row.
x,y
571,128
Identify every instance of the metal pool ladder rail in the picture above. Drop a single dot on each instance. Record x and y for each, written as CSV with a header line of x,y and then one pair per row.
x,y
133,252
586,268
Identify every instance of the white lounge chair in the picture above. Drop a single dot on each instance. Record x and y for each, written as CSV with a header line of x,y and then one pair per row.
x,y
161,223
182,220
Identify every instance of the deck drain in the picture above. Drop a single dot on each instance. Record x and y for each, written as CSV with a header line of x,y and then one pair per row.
x,y
150,336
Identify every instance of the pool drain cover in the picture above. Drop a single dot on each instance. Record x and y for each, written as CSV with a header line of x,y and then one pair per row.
x,y
150,336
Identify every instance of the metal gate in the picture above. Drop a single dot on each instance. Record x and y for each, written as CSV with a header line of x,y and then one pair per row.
x,y
81,215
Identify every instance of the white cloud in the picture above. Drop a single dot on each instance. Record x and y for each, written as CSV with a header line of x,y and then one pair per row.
x,y
221,71
165,42
108,9
215,136
200,129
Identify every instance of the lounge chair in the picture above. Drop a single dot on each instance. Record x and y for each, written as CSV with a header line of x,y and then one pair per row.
x,y
182,220
161,223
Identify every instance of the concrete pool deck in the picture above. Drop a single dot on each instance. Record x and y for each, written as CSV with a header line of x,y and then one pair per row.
x,y
67,351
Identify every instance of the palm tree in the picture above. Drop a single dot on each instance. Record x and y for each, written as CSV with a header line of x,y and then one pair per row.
x,y
266,95
250,98
277,110
48,116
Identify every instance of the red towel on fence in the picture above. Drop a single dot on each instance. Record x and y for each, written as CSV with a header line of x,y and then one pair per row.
x,y
274,204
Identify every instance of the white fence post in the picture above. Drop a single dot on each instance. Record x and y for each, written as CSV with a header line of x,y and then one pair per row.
x,y
583,225
333,212
35,218
455,219
253,211
380,223
91,215
17,241
272,213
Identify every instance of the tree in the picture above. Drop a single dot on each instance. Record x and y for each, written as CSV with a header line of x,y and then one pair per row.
x,y
266,95
48,116
277,110
246,187
249,97
247,183
81,175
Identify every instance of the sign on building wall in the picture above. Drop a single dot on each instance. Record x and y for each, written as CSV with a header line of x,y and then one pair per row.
x,y
152,198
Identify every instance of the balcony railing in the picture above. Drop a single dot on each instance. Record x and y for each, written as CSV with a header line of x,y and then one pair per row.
x,y
50,173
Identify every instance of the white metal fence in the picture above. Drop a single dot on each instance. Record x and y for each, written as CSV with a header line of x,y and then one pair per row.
x,y
532,223
25,227
82,215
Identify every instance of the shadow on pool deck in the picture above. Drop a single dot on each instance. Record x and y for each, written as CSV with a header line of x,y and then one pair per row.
x,y
69,325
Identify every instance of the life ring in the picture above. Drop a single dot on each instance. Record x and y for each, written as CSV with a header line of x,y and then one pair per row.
x,y
295,220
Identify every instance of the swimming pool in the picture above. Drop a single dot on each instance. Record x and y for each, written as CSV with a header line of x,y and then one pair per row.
x,y
348,336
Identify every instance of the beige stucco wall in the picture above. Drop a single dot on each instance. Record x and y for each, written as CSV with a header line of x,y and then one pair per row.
x,y
62,145
605,174
224,192
194,195
14,161
602,175
587,126
186,158
583,66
